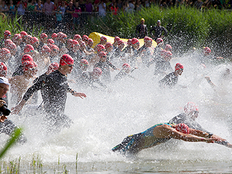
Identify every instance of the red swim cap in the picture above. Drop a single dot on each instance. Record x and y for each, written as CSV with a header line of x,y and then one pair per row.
x,y
84,62
179,67
116,38
11,46
97,71
46,49
50,41
66,60
182,128
207,50
103,38
190,107
16,37
43,35
54,35
100,47
129,41
90,41
159,40
135,40
7,33
26,57
101,54
28,48
4,51
3,67
54,66
85,37
108,44
77,37
23,33
34,40
126,66
168,47
28,65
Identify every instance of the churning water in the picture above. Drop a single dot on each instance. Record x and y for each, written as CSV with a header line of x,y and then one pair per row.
x,y
104,118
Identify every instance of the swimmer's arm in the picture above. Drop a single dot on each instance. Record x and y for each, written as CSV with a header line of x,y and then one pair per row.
x,y
170,132
199,133
210,82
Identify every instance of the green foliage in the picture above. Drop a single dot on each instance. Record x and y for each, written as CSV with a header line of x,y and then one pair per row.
x,y
15,25
187,26
16,134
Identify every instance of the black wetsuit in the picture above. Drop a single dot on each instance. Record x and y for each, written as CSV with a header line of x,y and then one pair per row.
x,y
86,80
169,80
145,53
54,90
105,67
7,127
182,118
121,75
158,31
134,143
141,30
18,71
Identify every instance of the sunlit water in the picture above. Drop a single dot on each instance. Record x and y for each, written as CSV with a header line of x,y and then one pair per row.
x,y
103,119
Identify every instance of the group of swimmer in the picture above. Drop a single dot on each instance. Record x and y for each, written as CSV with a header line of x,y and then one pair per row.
x,y
52,59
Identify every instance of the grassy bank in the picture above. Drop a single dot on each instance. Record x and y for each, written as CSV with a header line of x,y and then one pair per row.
x,y
188,27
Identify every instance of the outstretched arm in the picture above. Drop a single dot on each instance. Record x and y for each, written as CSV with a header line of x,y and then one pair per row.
x,y
165,131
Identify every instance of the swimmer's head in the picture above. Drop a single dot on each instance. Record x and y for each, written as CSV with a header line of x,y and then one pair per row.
x,y
182,128
191,110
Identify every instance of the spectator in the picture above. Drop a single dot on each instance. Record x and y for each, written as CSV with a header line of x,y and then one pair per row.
x,y
82,17
39,12
12,8
89,8
58,17
69,11
76,16
48,8
31,6
95,5
120,5
114,9
198,4
125,6
102,8
4,7
131,6
63,8
138,5
158,31
21,6
56,5
141,29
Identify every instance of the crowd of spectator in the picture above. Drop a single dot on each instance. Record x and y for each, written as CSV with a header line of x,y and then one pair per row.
x,y
76,12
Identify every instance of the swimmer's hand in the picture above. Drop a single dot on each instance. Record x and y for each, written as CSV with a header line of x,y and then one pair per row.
x,y
3,118
210,140
81,95
18,108
219,58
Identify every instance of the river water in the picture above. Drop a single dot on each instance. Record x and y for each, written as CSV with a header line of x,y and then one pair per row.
x,y
103,119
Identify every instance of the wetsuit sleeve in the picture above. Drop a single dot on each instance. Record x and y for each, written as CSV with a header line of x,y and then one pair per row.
x,y
111,65
37,86
165,31
151,30
177,119
146,32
